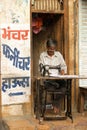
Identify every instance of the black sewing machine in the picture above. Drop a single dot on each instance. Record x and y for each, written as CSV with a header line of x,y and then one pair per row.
x,y
44,69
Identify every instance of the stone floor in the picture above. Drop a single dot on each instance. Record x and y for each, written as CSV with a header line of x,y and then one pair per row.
x,y
30,123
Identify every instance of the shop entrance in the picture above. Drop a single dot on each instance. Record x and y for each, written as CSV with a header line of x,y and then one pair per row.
x,y
45,26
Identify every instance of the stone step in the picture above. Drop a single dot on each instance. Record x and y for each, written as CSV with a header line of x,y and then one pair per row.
x,y
80,123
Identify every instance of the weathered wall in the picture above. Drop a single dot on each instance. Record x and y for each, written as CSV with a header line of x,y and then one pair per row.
x,y
15,58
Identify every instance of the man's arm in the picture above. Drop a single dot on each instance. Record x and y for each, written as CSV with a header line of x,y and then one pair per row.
x,y
63,65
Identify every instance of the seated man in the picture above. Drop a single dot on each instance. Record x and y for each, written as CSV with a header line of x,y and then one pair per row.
x,y
54,58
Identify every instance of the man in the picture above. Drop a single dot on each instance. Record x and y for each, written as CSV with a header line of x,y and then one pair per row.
x,y
53,58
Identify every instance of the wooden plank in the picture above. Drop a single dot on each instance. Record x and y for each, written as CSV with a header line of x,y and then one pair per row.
x,y
46,5
62,35
66,33
57,32
45,11
69,42
76,53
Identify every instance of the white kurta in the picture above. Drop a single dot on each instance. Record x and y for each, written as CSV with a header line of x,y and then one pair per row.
x,y
55,60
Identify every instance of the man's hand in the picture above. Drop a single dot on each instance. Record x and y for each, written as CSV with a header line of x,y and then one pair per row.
x,y
62,72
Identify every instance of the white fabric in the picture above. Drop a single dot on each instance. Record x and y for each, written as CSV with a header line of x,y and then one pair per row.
x,y
56,59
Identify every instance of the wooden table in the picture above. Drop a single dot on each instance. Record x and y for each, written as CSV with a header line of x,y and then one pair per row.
x,y
69,79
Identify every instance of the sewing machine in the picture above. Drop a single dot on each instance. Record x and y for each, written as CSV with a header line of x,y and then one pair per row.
x,y
44,69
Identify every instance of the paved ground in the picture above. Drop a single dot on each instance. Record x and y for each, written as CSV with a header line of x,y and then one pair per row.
x,y
26,123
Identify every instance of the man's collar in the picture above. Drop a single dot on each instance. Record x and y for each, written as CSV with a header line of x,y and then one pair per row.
x,y
46,54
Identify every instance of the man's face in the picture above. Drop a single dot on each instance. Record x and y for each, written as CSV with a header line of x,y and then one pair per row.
x,y
51,50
